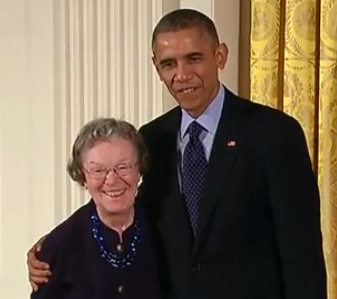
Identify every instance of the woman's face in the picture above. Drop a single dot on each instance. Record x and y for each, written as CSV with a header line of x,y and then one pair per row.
x,y
112,174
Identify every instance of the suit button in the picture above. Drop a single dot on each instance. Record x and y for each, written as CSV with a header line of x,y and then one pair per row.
x,y
196,268
121,289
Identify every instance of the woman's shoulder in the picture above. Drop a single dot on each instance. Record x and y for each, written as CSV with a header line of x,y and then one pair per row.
x,y
65,235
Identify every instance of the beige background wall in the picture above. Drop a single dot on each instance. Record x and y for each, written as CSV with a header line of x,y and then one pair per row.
x,y
61,64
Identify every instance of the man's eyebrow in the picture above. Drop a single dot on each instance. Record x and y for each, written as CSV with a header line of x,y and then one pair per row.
x,y
189,55
193,54
165,60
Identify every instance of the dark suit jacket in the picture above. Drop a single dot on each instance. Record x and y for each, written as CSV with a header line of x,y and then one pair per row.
x,y
259,227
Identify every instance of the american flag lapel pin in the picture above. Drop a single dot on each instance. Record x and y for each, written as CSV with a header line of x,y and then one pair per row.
x,y
231,143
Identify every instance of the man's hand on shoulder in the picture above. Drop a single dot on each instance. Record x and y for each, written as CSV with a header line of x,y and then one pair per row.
x,y
38,271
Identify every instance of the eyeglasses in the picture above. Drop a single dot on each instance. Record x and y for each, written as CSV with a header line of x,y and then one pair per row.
x,y
101,172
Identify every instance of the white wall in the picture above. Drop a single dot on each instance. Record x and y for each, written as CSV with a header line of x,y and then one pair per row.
x,y
61,64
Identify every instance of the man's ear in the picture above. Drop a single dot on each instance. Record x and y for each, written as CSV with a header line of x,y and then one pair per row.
x,y
222,55
156,67
154,62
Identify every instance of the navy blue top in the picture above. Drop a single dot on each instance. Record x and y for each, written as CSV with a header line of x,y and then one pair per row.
x,y
79,271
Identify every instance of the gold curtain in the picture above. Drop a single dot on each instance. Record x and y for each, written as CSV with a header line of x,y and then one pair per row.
x,y
293,68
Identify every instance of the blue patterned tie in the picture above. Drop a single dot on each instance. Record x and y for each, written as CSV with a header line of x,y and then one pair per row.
x,y
193,173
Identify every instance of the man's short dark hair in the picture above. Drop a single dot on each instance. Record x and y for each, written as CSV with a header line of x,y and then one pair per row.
x,y
183,19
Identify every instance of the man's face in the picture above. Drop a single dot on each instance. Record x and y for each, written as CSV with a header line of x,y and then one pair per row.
x,y
187,61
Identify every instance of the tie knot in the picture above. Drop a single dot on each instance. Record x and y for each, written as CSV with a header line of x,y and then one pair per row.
x,y
194,130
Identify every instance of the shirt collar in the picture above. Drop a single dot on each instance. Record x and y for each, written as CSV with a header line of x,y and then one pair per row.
x,y
209,119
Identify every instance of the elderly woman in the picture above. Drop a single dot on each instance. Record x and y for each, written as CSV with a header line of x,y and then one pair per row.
x,y
104,249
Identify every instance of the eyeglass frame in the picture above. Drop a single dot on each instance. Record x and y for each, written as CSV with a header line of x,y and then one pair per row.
x,y
107,170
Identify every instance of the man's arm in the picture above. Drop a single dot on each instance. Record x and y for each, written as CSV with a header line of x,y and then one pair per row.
x,y
145,189
295,204
57,251
38,271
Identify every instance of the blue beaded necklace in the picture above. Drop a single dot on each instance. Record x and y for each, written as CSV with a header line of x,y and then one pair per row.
x,y
115,260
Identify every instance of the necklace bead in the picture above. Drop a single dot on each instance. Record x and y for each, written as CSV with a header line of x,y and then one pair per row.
x,y
116,260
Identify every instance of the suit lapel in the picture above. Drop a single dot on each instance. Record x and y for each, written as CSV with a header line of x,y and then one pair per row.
x,y
224,150
176,221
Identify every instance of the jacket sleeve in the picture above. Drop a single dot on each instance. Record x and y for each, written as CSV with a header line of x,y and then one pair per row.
x,y
56,251
295,205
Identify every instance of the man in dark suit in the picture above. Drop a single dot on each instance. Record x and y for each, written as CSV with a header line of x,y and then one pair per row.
x,y
230,191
